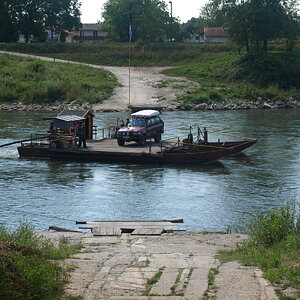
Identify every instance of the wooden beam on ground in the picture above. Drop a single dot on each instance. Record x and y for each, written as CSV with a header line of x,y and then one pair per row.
x,y
62,229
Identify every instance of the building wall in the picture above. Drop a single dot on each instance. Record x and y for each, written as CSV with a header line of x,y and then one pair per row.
x,y
216,39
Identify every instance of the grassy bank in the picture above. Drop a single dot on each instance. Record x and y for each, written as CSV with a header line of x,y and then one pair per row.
x,y
225,76
31,81
160,54
29,267
167,54
274,246
222,73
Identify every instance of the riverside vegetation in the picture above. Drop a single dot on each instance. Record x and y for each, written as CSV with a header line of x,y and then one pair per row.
x,y
222,74
30,267
273,246
30,81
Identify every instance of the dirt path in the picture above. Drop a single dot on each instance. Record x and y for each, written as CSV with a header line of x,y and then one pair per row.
x,y
173,266
148,87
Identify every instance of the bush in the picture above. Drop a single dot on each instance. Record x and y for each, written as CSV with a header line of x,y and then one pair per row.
x,y
37,67
215,96
272,227
27,269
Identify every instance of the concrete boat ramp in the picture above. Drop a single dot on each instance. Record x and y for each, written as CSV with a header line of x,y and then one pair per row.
x,y
169,266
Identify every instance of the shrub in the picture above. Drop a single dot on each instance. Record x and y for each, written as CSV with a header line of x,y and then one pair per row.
x,y
27,269
215,96
56,91
37,67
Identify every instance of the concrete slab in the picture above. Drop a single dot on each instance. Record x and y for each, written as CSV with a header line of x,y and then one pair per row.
x,y
197,284
117,268
166,281
238,282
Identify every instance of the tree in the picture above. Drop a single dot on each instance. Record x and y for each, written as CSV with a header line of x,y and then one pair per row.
x,y
149,19
212,14
61,15
32,17
192,26
254,23
29,17
8,28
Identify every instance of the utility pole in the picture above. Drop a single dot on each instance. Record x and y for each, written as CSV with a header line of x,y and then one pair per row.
x,y
171,10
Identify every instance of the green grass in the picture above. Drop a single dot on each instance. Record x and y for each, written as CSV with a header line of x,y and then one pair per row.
x,y
152,281
210,293
274,246
229,76
28,268
31,81
162,54
222,73
175,285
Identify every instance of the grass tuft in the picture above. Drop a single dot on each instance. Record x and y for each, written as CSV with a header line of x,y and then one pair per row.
x,y
28,269
273,246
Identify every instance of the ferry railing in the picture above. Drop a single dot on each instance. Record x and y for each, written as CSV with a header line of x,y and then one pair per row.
x,y
34,138
107,132
178,144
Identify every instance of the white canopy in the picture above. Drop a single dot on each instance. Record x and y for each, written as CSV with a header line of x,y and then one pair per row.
x,y
145,113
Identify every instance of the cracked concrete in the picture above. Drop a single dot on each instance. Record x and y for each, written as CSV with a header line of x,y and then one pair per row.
x,y
127,267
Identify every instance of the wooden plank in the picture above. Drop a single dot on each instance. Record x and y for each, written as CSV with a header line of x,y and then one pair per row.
x,y
124,221
148,231
130,223
62,229
106,231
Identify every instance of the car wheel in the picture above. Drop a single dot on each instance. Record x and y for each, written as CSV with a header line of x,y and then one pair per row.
x,y
157,139
121,142
142,140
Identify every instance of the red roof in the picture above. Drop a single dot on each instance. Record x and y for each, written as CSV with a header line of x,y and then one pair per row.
x,y
214,31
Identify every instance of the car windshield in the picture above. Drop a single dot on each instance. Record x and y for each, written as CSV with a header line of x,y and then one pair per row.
x,y
137,123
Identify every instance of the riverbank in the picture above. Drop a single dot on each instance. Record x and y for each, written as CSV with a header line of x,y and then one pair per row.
x,y
230,105
177,266
149,86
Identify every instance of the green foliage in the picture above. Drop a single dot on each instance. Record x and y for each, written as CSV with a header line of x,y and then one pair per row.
x,y
229,76
160,54
37,67
33,17
32,81
27,269
280,69
274,246
149,20
274,226
253,23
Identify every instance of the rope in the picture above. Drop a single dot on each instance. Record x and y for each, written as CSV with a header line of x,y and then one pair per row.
x,y
242,137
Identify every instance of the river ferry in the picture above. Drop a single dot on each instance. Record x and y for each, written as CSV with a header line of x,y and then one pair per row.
x,y
62,144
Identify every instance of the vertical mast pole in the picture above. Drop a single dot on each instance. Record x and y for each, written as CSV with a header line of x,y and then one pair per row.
x,y
129,65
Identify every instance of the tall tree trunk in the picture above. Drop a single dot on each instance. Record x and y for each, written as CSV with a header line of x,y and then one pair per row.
x,y
265,46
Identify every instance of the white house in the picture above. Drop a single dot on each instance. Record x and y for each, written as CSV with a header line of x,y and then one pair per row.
x,y
88,33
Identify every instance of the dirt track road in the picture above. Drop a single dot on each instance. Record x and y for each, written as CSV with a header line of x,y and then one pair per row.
x,y
147,86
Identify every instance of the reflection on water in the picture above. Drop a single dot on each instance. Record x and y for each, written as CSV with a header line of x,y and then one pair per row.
x,y
208,196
